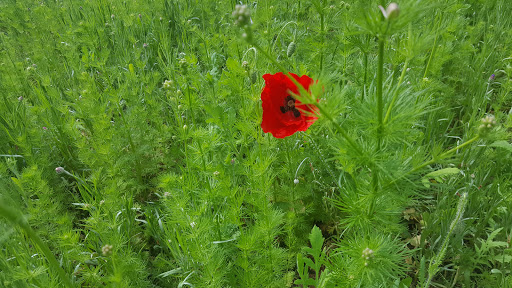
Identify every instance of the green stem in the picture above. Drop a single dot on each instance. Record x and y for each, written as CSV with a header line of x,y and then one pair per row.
x,y
375,171
395,96
13,216
436,261
433,47
436,159
132,146
190,104
322,27
380,68
265,53
447,153
338,127
365,63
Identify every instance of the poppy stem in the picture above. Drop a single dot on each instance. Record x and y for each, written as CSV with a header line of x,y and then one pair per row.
x,y
302,91
340,129
274,61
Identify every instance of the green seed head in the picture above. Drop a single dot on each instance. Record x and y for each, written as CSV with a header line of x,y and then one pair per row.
x,y
291,49
242,15
487,123
106,250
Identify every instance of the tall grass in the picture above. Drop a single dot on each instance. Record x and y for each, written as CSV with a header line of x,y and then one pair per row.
x,y
151,113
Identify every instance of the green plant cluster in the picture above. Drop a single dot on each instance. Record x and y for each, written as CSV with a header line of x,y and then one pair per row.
x,y
131,153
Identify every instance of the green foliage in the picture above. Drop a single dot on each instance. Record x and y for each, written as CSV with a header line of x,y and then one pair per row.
x,y
304,264
369,259
152,110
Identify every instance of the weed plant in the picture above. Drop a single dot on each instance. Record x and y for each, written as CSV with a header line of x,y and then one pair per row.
x,y
131,152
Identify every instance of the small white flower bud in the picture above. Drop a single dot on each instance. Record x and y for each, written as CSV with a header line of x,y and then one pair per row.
x,y
242,15
296,181
167,84
486,125
106,250
393,10
245,65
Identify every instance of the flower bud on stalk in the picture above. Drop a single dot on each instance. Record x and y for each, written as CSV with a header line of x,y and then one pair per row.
x,y
391,12
254,77
183,65
291,49
367,255
106,250
242,17
246,67
168,84
487,123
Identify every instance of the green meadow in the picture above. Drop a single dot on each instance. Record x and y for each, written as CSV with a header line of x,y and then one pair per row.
x,y
141,146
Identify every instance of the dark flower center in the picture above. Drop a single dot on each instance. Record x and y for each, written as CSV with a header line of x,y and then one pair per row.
x,y
289,105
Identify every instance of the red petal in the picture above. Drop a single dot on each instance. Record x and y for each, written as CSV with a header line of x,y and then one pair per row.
x,y
277,88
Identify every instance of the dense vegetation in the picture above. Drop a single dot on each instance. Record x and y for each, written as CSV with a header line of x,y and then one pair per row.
x,y
131,152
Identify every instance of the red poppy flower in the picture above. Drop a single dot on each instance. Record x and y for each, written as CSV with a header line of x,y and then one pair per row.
x,y
284,115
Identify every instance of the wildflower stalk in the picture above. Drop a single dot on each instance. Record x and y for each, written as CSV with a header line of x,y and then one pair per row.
x,y
132,145
340,129
400,80
13,216
395,96
322,32
436,159
380,127
380,68
190,104
365,64
433,46
436,261
445,154
390,13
